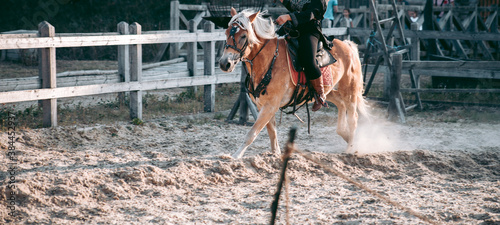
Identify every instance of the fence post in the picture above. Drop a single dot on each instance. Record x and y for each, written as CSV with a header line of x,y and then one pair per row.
x,y
136,74
174,25
209,69
365,15
192,50
192,53
387,82
47,74
123,60
494,29
345,23
415,56
415,43
396,105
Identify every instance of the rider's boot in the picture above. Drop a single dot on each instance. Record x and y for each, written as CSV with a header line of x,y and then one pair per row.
x,y
320,96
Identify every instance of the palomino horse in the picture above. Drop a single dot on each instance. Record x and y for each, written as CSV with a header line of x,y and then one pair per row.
x,y
251,38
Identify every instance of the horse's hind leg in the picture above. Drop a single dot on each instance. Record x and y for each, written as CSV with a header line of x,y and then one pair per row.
x,y
266,113
273,136
342,128
352,121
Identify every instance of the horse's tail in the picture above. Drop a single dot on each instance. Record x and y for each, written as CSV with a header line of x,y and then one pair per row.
x,y
363,107
362,104
353,46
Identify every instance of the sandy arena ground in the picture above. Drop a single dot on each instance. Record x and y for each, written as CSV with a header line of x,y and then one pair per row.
x,y
177,170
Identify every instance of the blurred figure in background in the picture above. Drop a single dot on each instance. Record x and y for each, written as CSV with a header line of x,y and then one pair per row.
x,y
331,9
414,18
346,20
442,3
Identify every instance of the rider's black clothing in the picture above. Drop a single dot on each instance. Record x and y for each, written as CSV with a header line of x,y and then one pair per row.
x,y
306,17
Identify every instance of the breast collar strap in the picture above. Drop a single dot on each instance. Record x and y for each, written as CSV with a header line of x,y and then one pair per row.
x,y
261,87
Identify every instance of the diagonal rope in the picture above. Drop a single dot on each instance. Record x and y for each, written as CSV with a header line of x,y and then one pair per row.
x,y
364,187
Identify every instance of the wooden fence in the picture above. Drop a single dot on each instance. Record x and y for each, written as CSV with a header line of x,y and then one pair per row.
x,y
130,67
467,69
482,19
130,40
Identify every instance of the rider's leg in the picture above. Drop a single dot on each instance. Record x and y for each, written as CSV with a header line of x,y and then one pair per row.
x,y
308,46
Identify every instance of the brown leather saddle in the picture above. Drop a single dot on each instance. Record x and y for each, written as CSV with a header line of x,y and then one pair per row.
x,y
323,56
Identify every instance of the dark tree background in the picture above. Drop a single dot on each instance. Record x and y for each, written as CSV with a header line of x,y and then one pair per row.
x,y
85,16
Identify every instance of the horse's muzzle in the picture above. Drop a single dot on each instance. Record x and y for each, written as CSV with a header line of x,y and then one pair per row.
x,y
227,64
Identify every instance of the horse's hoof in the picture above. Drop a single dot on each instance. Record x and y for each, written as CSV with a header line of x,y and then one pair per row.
x,y
236,156
350,150
276,152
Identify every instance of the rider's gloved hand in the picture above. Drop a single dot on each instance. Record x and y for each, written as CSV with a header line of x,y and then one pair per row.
x,y
283,18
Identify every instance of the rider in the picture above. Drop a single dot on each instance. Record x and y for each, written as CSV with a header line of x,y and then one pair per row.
x,y
306,16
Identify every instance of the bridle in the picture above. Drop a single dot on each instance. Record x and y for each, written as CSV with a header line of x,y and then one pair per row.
x,y
234,46
232,32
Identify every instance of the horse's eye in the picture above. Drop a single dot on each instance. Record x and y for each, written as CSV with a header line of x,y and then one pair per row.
x,y
242,40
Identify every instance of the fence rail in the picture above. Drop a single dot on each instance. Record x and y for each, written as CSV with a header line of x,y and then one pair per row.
x,y
79,40
74,91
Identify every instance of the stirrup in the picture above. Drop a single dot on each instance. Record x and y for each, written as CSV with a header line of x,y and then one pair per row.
x,y
320,101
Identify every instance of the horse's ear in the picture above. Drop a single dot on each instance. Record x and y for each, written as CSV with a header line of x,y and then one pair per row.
x,y
253,16
233,12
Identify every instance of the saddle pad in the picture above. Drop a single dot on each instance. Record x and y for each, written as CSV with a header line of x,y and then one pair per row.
x,y
300,77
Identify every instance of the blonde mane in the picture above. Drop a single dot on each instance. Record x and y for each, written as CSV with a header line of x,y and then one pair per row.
x,y
260,28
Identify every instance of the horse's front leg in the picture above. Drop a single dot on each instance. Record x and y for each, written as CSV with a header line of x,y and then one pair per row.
x,y
273,135
266,113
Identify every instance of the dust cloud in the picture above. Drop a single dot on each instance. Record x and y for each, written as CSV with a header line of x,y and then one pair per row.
x,y
375,134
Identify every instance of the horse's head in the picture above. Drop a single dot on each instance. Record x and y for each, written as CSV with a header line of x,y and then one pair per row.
x,y
241,35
